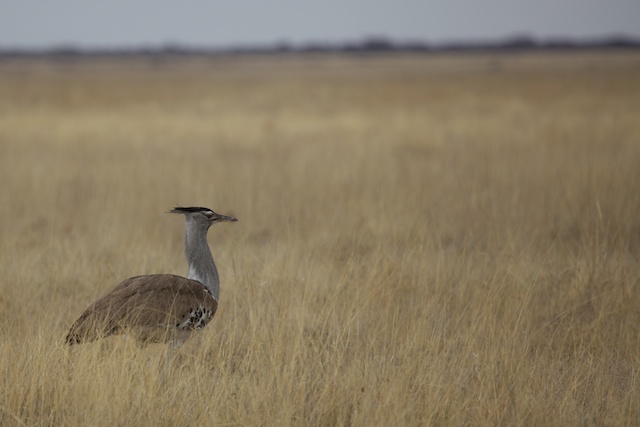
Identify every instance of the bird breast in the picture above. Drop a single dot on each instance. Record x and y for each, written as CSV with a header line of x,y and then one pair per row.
x,y
196,318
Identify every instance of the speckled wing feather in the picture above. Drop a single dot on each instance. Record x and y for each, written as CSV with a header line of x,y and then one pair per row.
x,y
153,308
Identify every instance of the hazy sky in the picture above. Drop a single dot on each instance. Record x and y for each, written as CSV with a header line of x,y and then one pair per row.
x,y
221,23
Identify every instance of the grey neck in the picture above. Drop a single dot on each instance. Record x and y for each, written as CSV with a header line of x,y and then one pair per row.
x,y
201,265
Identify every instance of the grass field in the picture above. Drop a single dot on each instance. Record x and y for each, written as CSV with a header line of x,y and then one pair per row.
x,y
422,240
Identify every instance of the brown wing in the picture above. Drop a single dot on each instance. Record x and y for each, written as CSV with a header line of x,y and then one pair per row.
x,y
159,301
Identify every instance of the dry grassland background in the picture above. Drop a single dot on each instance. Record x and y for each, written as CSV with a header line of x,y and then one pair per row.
x,y
434,240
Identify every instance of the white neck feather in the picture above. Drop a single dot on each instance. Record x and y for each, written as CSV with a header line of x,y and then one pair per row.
x,y
201,265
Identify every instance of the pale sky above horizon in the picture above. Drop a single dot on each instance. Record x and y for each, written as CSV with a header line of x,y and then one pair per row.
x,y
227,23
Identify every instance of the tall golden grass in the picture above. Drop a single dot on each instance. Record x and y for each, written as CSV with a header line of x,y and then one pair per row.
x,y
435,240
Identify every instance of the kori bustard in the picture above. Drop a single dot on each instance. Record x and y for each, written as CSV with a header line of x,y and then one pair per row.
x,y
160,307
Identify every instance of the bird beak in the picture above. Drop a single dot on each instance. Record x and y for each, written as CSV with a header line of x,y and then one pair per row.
x,y
226,218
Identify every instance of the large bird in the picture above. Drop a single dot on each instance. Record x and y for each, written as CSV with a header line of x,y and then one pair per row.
x,y
160,307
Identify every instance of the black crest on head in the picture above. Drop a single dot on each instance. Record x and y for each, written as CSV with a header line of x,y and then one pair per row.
x,y
181,210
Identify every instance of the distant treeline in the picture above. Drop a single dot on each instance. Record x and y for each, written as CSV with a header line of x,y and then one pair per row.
x,y
370,45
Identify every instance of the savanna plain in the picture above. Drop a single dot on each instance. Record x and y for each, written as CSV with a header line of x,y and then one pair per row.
x,y
422,240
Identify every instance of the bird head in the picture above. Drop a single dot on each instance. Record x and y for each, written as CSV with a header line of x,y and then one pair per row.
x,y
202,216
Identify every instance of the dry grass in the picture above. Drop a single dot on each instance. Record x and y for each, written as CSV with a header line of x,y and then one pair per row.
x,y
422,240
